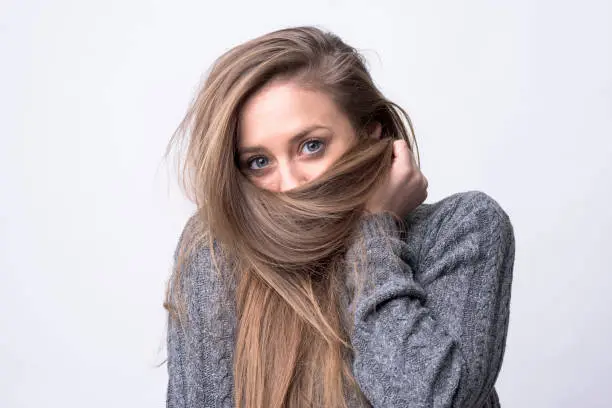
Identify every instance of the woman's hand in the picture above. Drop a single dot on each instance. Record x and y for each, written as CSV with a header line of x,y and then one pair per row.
x,y
406,187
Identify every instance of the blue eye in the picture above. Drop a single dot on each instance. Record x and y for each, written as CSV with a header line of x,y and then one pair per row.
x,y
312,145
257,160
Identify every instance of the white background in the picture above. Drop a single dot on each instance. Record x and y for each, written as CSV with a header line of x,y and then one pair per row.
x,y
513,99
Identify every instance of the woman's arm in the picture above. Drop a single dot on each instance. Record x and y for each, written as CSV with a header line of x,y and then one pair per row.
x,y
405,353
175,395
200,345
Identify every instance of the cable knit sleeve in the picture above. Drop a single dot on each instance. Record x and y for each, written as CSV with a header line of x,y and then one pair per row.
x,y
200,347
175,395
436,341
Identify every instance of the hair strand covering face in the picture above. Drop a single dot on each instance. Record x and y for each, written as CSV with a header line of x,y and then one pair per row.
x,y
286,250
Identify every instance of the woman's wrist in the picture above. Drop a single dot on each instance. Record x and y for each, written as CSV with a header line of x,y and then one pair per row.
x,y
373,223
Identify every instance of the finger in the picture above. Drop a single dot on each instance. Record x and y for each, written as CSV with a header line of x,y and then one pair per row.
x,y
407,158
413,162
400,148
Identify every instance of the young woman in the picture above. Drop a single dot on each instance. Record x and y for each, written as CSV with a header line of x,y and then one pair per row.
x,y
312,274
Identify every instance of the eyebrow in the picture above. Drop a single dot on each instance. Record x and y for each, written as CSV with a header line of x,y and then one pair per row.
x,y
293,140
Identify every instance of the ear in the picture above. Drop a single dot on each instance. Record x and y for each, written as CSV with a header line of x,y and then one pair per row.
x,y
375,130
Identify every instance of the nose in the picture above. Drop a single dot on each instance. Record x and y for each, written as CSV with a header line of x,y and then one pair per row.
x,y
290,177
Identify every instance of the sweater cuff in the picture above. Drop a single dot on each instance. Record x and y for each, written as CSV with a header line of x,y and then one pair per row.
x,y
373,224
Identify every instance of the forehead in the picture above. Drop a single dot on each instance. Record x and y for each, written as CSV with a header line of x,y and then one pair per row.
x,y
283,109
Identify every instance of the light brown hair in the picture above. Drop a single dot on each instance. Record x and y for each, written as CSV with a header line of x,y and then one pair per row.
x,y
286,250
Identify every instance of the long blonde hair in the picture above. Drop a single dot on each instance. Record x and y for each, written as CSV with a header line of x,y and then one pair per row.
x,y
286,250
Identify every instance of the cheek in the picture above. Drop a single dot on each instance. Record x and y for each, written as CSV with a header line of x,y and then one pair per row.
x,y
266,183
317,168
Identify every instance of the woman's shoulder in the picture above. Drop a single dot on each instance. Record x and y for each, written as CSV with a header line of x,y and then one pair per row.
x,y
473,212
468,202
464,221
203,266
195,241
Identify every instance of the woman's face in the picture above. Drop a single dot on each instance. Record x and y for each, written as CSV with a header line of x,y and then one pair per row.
x,y
289,136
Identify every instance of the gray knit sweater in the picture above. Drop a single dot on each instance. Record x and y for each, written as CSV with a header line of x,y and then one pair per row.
x,y
430,324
